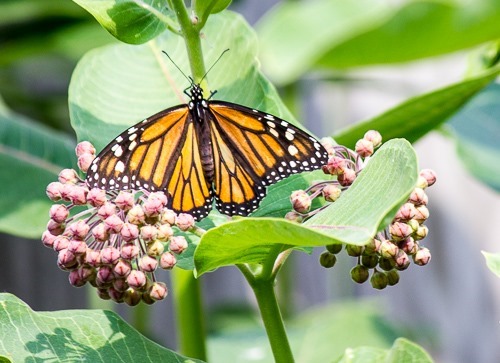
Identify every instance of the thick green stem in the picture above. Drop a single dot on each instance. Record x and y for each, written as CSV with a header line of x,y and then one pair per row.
x,y
191,34
273,321
190,323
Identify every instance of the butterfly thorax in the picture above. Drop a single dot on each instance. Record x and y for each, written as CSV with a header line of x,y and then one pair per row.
x,y
200,113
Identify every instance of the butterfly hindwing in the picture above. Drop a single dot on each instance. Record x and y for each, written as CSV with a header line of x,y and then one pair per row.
x,y
252,150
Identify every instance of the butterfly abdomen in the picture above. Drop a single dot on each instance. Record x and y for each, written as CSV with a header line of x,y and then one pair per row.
x,y
203,134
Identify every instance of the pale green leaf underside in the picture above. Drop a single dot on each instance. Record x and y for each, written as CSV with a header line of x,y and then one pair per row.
x,y
74,335
354,218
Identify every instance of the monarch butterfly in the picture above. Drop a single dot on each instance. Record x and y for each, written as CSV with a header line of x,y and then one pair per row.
x,y
203,150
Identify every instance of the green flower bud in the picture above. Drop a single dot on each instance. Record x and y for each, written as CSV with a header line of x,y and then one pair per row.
x,y
359,274
379,280
327,259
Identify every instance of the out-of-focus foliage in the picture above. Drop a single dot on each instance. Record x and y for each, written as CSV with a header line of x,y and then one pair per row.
x,y
40,42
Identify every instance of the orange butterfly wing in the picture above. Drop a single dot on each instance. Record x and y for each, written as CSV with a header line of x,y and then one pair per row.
x,y
159,153
252,150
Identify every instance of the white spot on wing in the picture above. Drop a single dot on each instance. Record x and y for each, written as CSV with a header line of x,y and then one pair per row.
x,y
292,150
120,167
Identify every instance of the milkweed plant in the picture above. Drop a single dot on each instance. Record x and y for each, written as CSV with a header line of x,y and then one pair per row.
x,y
368,200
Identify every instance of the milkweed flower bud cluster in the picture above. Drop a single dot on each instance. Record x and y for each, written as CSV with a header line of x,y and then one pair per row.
x,y
391,250
113,240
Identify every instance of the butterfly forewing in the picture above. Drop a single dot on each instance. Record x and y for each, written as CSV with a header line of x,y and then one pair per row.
x,y
253,149
159,153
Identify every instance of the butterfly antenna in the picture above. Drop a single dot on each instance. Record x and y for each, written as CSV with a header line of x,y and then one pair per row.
x,y
217,60
180,70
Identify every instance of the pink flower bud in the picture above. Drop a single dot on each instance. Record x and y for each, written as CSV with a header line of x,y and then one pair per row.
x,y
399,231
100,232
374,137
167,261
301,202
84,147
421,214
93,257
331,192
122,268
120,285
184,221
168,216
84,161
68,176
347,178
55,228
129,251
178,244
294,217
402,261
79,229
106,210
406,212
160,196
113,224
408,245
422,257
155,248
115,295
388,249
335,166
66,190
164,232
75,279
148,263
54,191
148,232
109,255
96,197
152,207
129,232
48,239
66,260
364,148
87,273
158,291
78,248
329,145
136,279
105,275
59,213
60,243
418,197
429,175
136,215
124,200
78,195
